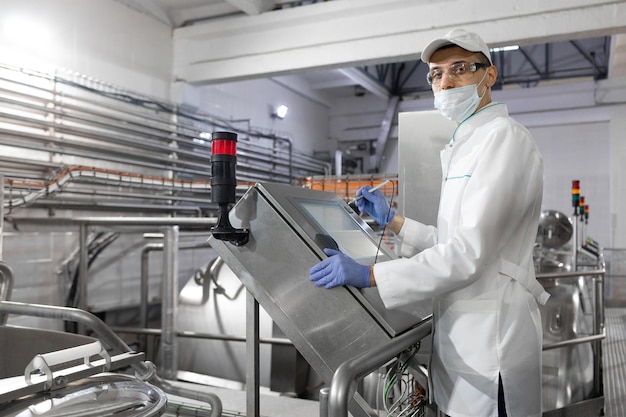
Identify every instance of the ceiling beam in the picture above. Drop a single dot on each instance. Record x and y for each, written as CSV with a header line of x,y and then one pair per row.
x,y
341,34
253,7
358,76
184,16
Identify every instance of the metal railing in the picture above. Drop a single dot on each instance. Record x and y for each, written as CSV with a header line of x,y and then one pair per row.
x,y
354,369
145,371
598,331
6,286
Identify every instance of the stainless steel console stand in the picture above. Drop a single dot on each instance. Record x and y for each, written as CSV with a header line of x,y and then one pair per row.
x,y
252,356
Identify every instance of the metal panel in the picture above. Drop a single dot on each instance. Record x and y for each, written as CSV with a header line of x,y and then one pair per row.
x,y
421,137
328,327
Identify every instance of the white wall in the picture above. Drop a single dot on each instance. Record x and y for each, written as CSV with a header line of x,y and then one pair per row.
x,y
251,103
102,39
578,152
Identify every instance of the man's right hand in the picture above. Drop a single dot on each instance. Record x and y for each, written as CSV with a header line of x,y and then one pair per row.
x,y
375,204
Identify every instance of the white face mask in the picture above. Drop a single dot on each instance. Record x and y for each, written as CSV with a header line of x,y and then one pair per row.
x,y
457,104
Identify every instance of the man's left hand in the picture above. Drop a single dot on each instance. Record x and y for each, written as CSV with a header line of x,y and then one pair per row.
x,y
339,269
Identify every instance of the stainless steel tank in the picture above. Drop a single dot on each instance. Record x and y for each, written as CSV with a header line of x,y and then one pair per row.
x,y
72,389
567,371
18,345
555,229
103,395
216,304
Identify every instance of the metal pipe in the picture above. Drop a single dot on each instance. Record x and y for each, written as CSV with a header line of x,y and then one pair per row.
x,y
189,162
575,274
6,286
348,372
83,270
169,303
575,242
252,356
62,203
143,299
103,333
131,120
83,149
205,222
1,214
162,133
575,341
199,335
212,399
262,155
324,401
598,323
143,370
142,196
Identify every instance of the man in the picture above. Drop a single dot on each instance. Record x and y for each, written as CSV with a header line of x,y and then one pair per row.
x,y
476,264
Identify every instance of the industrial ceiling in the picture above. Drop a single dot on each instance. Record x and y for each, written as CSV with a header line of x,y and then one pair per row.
x,y
352,47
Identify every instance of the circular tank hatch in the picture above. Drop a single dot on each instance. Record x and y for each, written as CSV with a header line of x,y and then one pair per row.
x,y
102,395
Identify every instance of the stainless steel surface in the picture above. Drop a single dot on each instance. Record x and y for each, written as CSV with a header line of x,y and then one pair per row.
x,y
16,388
169,303
252,355
143,304
328,327
42,363
587,408
614,358
102,331
6,285
83,270
568,371
1,222
17,347
555,229
117,395
143,222
143,297
194,393
352,370
574,245
146,371
573,330
299,208
421,137
599,326
201,335
214,302
574,341
324,393
552,260
234,404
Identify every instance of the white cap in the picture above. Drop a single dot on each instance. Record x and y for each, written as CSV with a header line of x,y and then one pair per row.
x,y
469,41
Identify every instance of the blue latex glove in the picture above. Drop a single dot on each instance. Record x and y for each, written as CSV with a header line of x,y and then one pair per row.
x,y
340,269
375,204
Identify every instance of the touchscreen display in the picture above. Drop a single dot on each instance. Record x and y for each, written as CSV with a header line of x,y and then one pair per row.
x,y
334,221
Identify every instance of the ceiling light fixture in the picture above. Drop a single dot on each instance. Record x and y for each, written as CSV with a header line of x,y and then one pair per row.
x,y
280,112
505,48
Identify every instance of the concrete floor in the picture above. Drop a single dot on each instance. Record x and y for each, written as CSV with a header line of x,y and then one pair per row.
x,y
234,404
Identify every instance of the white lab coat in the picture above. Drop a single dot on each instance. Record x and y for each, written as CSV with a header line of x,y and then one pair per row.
x,y
477,267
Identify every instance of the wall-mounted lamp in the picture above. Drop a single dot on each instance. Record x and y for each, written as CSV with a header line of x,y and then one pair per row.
x,y
280,112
